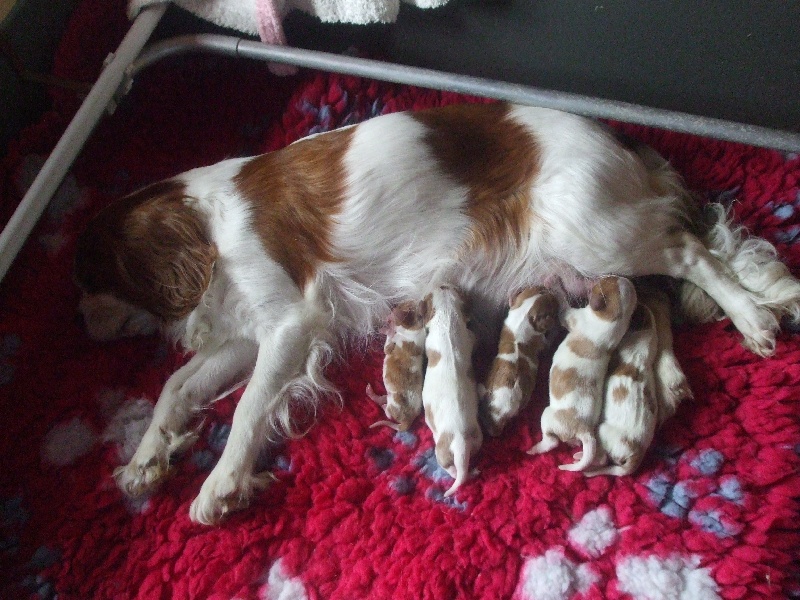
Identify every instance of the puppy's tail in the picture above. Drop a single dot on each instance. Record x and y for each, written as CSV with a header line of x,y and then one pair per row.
x,y
589,441
461,465
752,261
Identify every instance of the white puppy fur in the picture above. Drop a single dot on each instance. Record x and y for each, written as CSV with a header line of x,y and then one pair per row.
x,y
267,265
630,408
449,393
532,314
579,369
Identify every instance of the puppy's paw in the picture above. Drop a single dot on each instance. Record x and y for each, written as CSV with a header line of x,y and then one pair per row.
x,y
224,493
150,465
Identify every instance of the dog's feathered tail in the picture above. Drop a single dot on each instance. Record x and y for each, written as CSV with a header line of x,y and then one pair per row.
x,y
751,261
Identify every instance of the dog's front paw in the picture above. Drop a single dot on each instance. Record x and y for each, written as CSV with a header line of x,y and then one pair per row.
x,y
226,493
150,464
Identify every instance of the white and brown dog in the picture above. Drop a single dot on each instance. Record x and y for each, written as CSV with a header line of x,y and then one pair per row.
x,y
265,265
630,408
449,393
532,314
579,368
404,351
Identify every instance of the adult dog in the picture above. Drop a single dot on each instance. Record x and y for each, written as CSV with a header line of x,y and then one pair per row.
x,y
264,265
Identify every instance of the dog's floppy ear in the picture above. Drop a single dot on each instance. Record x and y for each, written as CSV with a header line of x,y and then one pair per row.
x,y
150,249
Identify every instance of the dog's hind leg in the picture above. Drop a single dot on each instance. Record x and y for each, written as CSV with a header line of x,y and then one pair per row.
x,y
192,387
684,256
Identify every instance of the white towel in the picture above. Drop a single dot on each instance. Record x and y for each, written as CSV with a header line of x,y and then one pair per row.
x,y
263,18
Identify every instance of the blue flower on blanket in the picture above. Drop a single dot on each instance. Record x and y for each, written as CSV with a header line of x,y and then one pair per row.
x,y
13,517
677,499
36,583
427,464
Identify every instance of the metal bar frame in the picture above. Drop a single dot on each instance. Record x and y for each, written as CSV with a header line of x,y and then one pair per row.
x,y
129,60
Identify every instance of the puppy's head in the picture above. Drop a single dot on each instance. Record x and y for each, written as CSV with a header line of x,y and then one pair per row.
x,y
146,254
613,299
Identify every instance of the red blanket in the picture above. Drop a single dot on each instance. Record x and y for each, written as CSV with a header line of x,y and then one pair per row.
x,y
359,512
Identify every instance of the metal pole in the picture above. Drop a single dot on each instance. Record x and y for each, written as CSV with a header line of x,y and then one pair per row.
x,y
83,123
574,103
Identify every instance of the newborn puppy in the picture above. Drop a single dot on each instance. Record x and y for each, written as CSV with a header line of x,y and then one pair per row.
x,y
532,313
630,410
449,394
402,367
579,368
671,385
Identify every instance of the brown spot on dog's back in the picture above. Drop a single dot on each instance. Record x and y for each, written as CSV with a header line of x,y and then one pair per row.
x,y
444,455
295,194
628,370
434,357
620,393
508,342
481,147
402,368
502,374
563,381
605,300
583,347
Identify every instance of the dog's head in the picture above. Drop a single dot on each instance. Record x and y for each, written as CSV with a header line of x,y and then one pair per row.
x,y
145,259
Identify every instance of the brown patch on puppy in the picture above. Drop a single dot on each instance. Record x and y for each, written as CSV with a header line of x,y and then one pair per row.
x,y
433,358
444,455
620,393
150,249
399,367
295,193
409,315
629,371
604,299
482,148
584,347
531,348
508,341
503,373
564,381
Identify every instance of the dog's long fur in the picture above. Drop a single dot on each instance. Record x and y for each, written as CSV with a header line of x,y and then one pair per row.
x,y
264,265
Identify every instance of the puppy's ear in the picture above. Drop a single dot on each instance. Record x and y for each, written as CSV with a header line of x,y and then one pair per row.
x,y
597,301
150,249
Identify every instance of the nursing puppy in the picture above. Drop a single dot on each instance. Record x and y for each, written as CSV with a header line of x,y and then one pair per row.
x,y
402,367
671,385
449,393
532,314
579,369
630,409
268,265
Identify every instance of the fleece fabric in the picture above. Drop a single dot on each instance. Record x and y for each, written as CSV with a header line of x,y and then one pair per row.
x,y
358,512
